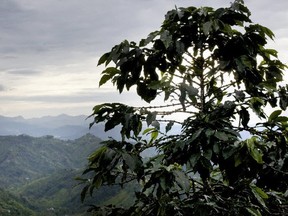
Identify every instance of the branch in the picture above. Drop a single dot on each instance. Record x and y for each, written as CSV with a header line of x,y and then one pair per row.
x,y
282,172
160,106
174,121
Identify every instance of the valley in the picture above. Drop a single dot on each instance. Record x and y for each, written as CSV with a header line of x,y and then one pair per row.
x,y
38,176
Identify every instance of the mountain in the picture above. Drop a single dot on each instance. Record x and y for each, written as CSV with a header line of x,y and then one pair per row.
x,y
60,193
11,205
62,127
40,172
38,175
24,158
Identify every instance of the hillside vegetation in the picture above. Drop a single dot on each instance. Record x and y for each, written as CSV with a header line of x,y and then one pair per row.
x,y
24,158
38,176
11,205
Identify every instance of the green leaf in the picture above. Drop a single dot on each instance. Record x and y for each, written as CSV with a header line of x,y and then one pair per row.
x,y
193,160
267,31
253,150
196,134
112,123
164,181
103,58
271,52
130,160
191,90
148,130
182,180
274,115
257,155
253,211
228,152
256,104
94,157
149,39
221,136
283,98
84,192
259,194
180,48
108,74
216,148
166,38
97,181
151,116
154,135
209,133
281,119
208,154
207,27
238,159
97,108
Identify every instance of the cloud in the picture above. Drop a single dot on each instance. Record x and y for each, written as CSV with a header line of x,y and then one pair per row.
x,y
74,104
40,41
23,72
2,88
52,31
49,26
86,96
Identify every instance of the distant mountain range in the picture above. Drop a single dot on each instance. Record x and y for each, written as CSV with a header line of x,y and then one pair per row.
x,y
62,127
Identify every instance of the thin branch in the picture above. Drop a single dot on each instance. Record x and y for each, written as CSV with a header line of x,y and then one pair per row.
x,y
174,121
159,107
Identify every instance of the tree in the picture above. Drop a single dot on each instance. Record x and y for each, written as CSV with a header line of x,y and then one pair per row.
x,y
212,67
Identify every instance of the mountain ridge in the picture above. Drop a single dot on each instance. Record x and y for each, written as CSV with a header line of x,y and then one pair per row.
x,y
40,172
24,158
61,126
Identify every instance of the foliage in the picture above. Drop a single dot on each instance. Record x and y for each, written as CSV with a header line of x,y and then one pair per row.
x,y
13,206
58,194
212,67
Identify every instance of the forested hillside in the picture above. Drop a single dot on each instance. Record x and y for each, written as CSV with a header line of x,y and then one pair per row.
x,y
24,158
38,175
11,205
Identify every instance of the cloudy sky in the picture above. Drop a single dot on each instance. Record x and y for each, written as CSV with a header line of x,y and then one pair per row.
x,y
49,48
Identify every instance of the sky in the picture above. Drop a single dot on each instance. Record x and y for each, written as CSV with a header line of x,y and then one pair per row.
x,y
49,49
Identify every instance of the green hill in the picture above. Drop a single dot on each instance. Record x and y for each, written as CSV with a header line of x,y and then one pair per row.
x,y
24,158
10,205
61,193
40,172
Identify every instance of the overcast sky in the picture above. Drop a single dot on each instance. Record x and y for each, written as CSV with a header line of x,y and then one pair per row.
x,y
49,48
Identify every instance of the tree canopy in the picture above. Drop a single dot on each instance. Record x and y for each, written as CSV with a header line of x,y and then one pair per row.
x,y
211,67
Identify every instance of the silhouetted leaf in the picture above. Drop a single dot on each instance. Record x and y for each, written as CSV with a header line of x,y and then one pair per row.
x,y
169,126
108,73
244,116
